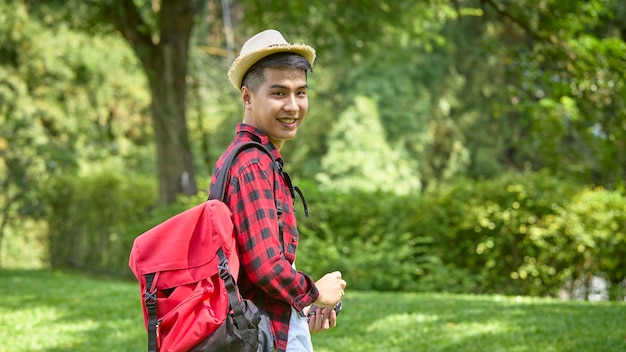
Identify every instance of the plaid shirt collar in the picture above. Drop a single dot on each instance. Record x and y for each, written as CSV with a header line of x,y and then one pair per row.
x,y
247,132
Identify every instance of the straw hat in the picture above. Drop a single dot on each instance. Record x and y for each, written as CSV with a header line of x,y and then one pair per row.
x,y
261,45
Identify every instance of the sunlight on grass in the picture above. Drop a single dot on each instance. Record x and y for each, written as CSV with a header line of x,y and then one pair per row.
x,y
52,311
58,333
457,333
400,329
439,322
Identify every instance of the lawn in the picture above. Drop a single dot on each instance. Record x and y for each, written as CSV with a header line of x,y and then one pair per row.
x,y
57,311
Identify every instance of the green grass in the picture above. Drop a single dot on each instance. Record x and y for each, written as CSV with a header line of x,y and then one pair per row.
x,y
57,311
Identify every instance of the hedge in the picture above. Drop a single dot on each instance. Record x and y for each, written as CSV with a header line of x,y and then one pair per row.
x,y
518,234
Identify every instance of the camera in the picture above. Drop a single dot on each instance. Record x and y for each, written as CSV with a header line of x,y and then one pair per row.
x,y
338,307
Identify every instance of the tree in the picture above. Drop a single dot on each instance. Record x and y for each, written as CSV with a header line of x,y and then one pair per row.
x,y
67,101
162,48
359,157
382,50
566,89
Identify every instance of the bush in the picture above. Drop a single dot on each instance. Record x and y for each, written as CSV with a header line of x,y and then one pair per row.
x,y
366,236
587,238
88,218
489,231
521,234
94,219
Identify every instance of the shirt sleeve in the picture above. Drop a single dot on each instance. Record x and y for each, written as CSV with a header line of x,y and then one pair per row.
x,y
260,250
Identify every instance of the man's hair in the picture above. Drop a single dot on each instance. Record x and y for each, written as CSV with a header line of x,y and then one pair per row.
x,y
253,78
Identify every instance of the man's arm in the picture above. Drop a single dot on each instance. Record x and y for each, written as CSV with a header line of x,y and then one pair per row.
x,y
256,223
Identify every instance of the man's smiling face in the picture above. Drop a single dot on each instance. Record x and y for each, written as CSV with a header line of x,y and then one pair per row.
x,y
279,105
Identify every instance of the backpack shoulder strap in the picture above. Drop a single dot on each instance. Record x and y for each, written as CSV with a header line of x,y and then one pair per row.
x,y
219,188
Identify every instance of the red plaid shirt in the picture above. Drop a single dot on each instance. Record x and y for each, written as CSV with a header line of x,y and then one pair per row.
x,y
267,276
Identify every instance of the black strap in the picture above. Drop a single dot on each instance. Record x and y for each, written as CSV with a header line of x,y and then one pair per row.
x,y
219,188
150,300
233,292
293,190
218,192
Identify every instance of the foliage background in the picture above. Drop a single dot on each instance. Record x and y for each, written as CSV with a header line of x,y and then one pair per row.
x,y
460,146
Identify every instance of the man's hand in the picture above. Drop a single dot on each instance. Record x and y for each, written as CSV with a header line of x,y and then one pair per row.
x,y
321,315
320,318
330,288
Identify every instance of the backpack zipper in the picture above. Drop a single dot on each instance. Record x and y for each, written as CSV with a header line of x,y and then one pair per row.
x,y
158,337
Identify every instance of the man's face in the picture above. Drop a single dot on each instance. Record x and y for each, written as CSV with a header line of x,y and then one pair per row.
x,y
279,105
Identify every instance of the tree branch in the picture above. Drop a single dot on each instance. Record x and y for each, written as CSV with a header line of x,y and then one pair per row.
x,y
503,12
126,18
457,8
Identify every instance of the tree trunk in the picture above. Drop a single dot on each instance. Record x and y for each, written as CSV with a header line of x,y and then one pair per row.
x,y
168,87
165,64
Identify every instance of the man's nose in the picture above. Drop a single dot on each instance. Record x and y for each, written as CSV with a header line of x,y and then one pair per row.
x,y
291,104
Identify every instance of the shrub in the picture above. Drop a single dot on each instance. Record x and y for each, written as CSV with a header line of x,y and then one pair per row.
x,y
366,236
522,234
94,219
87,218
588,237
489,234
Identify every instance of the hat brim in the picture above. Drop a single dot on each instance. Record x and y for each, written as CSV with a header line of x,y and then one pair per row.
x,y
242,64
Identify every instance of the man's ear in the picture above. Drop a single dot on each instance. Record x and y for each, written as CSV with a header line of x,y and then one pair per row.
x,y
246,96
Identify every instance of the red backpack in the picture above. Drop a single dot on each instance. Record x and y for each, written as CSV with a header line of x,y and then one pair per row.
x,y
185,268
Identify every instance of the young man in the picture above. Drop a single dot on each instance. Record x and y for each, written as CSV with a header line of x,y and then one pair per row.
x,y
271,75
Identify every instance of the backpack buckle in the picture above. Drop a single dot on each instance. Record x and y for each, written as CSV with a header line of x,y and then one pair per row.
x,y
223,270
150,298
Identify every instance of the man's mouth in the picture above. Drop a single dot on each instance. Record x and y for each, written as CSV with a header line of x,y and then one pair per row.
x,y
287,120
